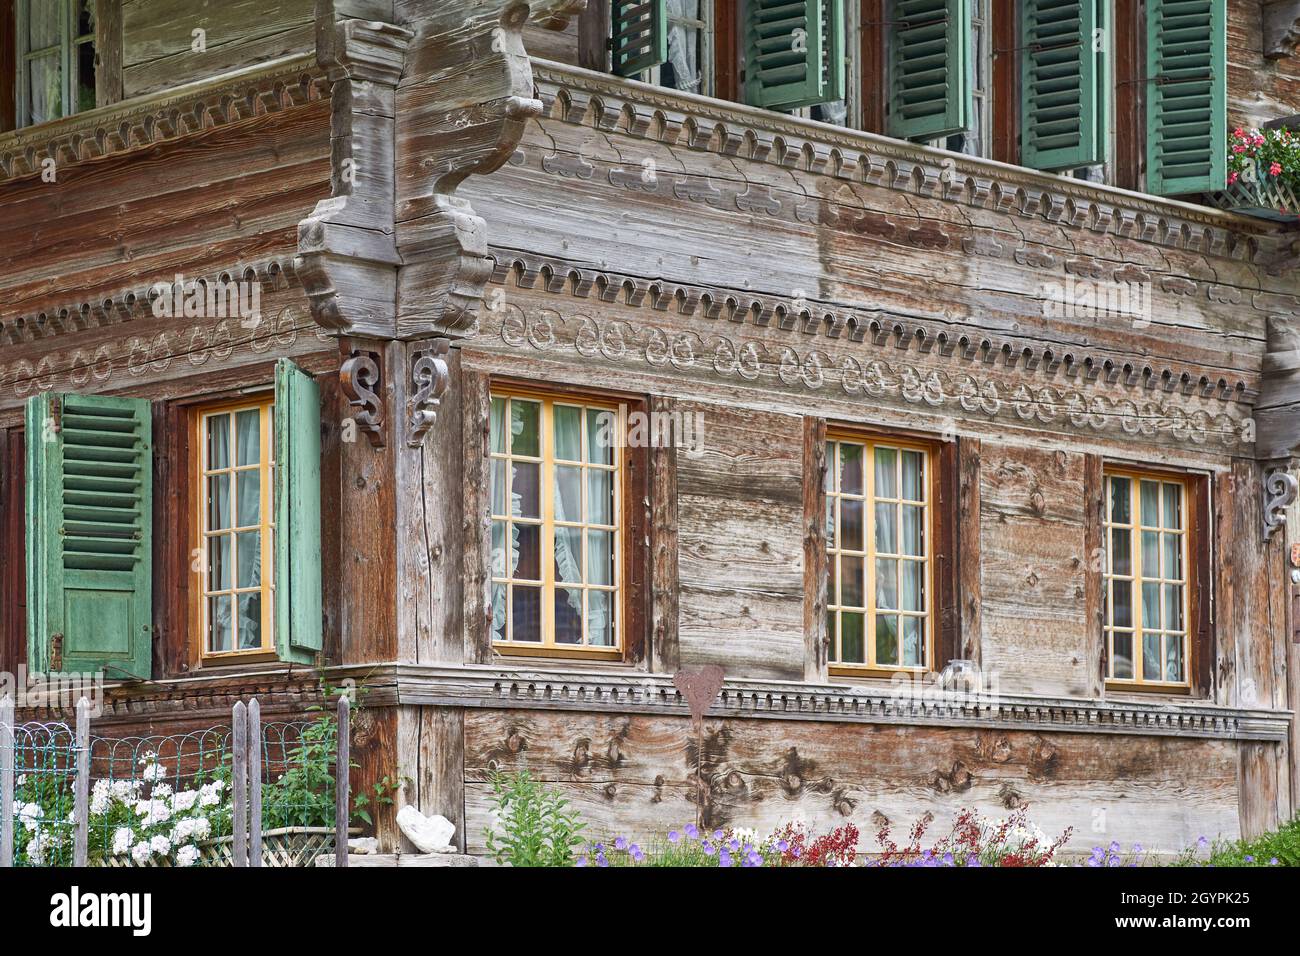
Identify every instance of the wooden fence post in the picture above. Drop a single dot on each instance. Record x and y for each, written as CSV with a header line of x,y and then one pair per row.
x,y
239,747
8,761
81,793
254,783
342,783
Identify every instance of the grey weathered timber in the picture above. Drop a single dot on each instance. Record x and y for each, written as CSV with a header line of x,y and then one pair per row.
x,y
239,781
342,769
7,766
254,783
81,787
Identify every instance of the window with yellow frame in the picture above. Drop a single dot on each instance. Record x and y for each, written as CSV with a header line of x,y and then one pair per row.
x,y
878,536
235,528
557,525
1146,589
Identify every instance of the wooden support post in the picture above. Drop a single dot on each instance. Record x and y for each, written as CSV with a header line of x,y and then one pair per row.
x,y
81,791
8,761
341,783
254,783
239,747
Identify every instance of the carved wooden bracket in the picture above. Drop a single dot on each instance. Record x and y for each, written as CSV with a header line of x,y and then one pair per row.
x,y
431,377
1279,492
360,377
1281,28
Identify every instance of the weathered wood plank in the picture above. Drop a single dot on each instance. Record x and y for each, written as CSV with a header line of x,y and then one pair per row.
x,y
816,649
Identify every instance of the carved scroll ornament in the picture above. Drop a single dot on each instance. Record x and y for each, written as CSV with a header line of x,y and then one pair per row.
x,y
1279,492
431,377
359,377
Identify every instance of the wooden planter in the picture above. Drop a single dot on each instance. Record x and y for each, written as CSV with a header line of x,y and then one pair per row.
x,y
282,847
1267,198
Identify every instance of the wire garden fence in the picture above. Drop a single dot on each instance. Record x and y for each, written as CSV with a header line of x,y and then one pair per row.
x,y
250,794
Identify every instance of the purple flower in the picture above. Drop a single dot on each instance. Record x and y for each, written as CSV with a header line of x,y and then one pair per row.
x,y
601,861
717,834
947,859
620,843
734,845
754,858
691,831
1114,847
1202,843
973,860
673,836
1273,862
782,845
582,861
724,858
1137,847
1250,859
635,850
709,849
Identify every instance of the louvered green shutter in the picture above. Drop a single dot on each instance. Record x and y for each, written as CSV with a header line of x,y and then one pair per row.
x,y
794,53
1063,92
639,31
298,615
1187,125
89,560
930,62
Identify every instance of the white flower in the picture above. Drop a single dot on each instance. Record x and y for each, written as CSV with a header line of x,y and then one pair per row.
x,y
184,800
153,811
148,758
160,845
140,853
35,851
194,828
122,838
153,772
187,856
29,815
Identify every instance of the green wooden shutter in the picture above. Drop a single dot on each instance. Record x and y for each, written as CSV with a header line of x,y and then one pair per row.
x,y
794,53
930,63
1063,93
639,39
298,615
1187,119
89,550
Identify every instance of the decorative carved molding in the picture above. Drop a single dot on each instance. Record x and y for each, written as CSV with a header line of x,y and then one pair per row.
x,y
360,378
525,688
609,104
1281,28
1279,492
836,321
431,377
145,122
127,305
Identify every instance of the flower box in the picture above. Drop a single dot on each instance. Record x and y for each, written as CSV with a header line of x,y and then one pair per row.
x,y
1263,175
1262,199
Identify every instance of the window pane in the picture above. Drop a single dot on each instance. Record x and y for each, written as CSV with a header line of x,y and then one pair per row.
x,y
886,473
568,493
498,417
498,489
1121,552
851,524
1173,607
1173,549
249,496
498,612
525,489
499,548
45,76
86,18
600,496
1122,601
914,530
852,650
526,613
681,70
218,442
220,632
525,436
1150,656
600,557
850,469
568,433
1173,658
828,478
1150,492
250,621
249,551
913,640
886,639
528,552
568,615
1122,663
219,563
887,583
1173,506
218,502
568,554
1150,604
852,588
85,92
913,476
886,530
44,24
1119,500
248,436
913,585
602,435
1150,555
600,619
830,522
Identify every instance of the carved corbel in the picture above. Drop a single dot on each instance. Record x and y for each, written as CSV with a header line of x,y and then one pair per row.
x,y
360,377
431,377
1279,492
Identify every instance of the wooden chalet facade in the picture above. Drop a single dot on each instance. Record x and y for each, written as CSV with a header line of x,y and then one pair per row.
x,y
568,348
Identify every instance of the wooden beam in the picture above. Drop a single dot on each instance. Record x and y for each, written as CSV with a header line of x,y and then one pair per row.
x,y
8,67
108,52
968,546
1094,549
1006,82
816,650
665,654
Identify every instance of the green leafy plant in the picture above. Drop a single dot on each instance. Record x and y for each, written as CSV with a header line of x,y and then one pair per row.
x,y
1263,158
1279,848
537,826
